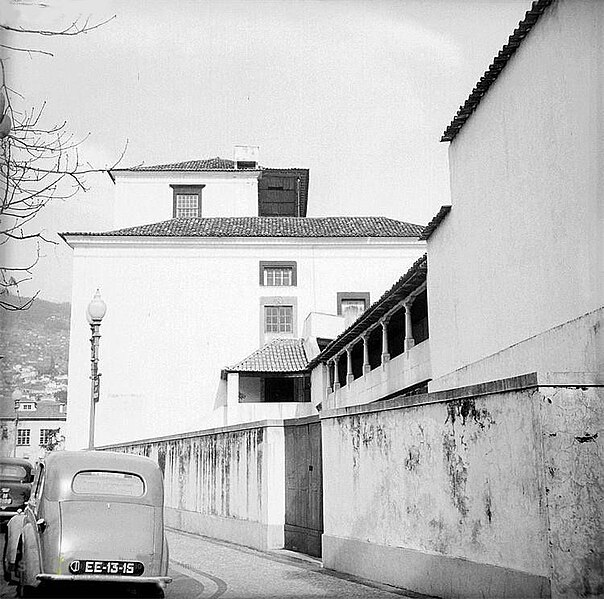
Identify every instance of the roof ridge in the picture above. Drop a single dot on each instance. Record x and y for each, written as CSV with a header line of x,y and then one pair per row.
x,y
268,226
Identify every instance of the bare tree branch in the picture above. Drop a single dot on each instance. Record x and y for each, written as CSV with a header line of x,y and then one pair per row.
x,y
39,162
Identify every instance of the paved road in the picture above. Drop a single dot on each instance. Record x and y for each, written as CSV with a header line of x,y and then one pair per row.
x,y
208,569
231,572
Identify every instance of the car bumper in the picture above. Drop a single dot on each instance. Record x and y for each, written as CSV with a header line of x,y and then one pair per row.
x,y
162,581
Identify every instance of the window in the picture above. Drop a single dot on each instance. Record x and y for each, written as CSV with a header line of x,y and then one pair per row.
x,y
13,472
46,435
26,406
351,305
187,201
278,274
99,482
278,319
23,436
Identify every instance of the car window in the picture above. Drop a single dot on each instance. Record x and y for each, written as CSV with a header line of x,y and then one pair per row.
x,y
97,482
12,471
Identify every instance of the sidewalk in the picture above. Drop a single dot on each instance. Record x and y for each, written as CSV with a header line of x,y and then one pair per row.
x,y
235,572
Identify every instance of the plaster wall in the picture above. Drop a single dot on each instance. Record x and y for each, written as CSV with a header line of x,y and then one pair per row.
x,y
493,491
227,483
406,369
178,311
522,249
575,346
145,198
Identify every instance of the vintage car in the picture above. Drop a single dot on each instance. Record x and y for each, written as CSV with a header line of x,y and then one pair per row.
x,y
93,516
15,485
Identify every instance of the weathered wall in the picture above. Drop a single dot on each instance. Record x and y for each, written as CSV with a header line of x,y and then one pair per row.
x,y
227,483
522,249
572,426
488,491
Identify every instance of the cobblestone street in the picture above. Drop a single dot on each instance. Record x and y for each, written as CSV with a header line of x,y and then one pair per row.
x,y
234,572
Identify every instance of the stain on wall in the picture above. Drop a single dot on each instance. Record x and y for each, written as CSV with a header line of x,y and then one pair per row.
x,y
573,421
220,474
458,478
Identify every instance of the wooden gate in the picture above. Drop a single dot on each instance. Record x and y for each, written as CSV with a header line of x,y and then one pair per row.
x,y
303,486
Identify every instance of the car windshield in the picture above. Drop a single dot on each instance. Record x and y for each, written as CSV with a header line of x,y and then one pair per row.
x,y
12,471
96,482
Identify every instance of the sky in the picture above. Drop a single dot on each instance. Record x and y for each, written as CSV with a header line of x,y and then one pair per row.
x,y
357,91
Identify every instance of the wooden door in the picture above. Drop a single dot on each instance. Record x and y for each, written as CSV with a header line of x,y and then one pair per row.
x,y
303,488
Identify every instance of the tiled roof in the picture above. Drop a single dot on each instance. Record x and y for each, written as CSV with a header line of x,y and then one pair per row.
x,y
45,410
279,355
524,27
205,164
409,282
271,226
435,222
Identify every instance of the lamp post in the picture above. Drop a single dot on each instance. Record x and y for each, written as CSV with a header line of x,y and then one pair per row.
x,y
95,312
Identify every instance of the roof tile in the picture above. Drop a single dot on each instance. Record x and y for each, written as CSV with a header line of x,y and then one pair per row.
x,y
499,62
274,226
279,355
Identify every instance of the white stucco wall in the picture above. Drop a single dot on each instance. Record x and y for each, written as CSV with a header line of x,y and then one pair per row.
x,y
522,249
178,311
145,198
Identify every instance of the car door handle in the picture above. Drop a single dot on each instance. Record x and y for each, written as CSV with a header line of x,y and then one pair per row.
x,y
41,524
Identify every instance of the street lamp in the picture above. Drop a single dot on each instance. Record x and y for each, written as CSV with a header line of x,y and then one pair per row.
x,y
95,312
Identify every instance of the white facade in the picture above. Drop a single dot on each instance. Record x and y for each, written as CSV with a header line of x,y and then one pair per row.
x,y
522,250
146,197
181,309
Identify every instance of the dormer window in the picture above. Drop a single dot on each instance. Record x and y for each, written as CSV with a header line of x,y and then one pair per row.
x,y
186,201
27,406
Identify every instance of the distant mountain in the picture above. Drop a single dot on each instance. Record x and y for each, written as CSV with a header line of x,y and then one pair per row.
x,y
37,336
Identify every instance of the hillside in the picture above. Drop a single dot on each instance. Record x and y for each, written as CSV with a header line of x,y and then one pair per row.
x,y
34,346
36,336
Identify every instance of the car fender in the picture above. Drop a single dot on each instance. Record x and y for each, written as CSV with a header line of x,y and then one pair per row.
x,y
165,558
14,530
31,555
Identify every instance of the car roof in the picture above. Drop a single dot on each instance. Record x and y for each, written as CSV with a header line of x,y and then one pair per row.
x,y
17,462
64,465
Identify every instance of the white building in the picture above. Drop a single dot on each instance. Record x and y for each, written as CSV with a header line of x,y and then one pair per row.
x,y
27,426
211,283
518,262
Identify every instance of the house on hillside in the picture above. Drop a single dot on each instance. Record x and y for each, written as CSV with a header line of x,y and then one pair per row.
x,y
198,276
30,427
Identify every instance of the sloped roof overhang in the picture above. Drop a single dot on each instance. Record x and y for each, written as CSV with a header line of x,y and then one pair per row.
x,y
409,283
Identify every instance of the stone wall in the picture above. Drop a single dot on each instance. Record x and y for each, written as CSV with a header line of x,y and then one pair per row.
x,y
494,490
227,483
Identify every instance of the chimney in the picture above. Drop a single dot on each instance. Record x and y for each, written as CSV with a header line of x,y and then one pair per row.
x,y
246,157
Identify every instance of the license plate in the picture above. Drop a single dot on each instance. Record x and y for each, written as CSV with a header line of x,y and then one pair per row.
x,y
106,567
